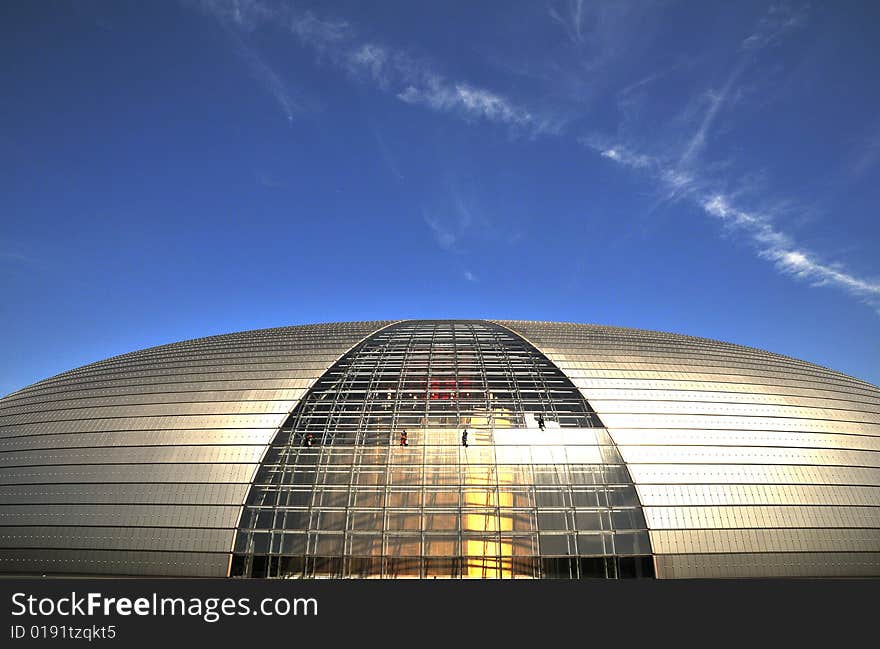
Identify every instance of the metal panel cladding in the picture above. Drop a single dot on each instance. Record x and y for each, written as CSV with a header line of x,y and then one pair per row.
x,y
161,462
139,464
747,463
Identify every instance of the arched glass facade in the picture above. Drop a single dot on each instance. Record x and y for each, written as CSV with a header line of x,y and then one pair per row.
x,y
536,489
278,452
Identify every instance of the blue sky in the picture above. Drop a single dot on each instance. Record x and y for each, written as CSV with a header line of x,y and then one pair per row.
x,y
174,170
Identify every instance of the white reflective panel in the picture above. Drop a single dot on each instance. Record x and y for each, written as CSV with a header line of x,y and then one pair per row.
x,y
583,455
554,437
554,455
514,454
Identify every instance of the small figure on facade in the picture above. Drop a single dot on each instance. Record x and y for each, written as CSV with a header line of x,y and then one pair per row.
x,y
403,440
541,420
464,438
310,439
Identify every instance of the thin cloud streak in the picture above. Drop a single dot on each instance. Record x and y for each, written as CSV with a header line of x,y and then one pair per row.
x,y
867,153
716,102
444,236
778,22
415,82
320,34
467,101
651,78
459,222
803,265
572,23
682,181
267,77
385,152
773,244
780,249
409,79
625,157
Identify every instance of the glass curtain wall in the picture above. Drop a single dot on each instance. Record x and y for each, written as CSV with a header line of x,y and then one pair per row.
x,y
443,449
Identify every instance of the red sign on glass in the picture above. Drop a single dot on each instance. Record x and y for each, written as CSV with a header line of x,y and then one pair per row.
x,y
444,389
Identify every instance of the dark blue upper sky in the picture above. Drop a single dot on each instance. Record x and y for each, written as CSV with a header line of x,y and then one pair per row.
x,y
175,170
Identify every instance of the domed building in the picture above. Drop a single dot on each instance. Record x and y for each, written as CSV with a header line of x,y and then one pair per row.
x,y
447,449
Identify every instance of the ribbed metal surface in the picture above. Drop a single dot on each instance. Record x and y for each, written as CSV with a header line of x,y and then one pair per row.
x,y
746,463
139,464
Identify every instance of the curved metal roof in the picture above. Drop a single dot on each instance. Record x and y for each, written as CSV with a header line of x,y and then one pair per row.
x,y
746,463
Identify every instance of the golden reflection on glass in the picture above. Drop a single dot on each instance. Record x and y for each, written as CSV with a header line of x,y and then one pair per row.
x,y
442,508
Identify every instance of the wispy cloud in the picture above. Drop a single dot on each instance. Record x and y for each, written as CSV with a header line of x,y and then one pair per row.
x,y
460,223
387,156
410,79
570,16
804,265
778,22
267,77
651,78
457,222
445,235
372,59
770,242
716,100
781,250
418,82
684,180
625,157
467,101
320,34
867,153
